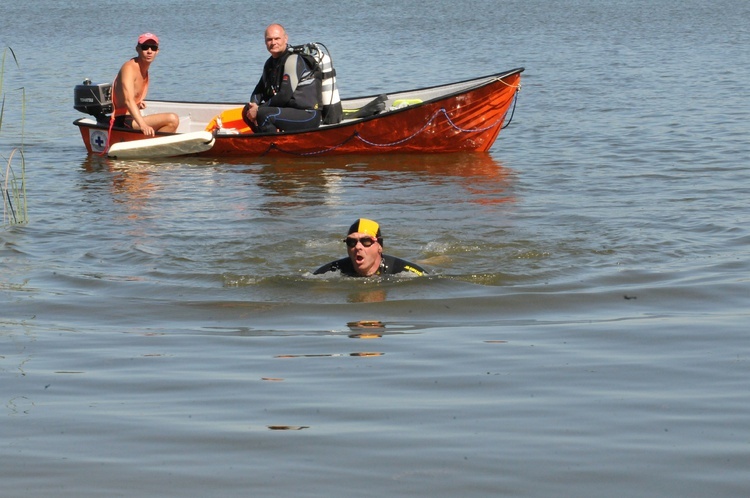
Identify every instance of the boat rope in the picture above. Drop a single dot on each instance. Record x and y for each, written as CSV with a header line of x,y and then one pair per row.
x,y
273,146
390,144
513,110
111,120
501,79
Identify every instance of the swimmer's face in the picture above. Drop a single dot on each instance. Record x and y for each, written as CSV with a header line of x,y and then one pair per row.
x,y
366,260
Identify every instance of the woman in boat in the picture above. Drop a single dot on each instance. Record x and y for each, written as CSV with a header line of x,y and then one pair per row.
x,y
364,244
289,93
130,88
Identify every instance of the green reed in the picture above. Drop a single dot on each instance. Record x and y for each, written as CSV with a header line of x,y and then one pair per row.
x,y
13,186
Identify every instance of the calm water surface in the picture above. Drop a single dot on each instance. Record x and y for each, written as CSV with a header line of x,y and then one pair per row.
x,y
583,331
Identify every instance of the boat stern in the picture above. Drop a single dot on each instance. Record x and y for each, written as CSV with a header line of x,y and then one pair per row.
x,y
94,135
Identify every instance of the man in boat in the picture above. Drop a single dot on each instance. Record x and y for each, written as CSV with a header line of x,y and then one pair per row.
x,y
288,95
130,88
364,244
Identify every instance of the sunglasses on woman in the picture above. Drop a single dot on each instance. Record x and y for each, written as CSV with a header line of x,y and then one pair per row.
x,y
154,48
365,241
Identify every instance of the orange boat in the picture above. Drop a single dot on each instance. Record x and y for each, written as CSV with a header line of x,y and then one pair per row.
x,y
466,116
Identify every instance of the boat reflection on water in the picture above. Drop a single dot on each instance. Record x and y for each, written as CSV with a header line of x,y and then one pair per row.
x,y
484,179
458,164
130,182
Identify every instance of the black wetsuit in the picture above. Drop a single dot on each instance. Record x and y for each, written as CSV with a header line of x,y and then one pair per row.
x,y
389,265
288,95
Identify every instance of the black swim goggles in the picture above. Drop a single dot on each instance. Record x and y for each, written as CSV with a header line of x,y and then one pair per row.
x,y
365,241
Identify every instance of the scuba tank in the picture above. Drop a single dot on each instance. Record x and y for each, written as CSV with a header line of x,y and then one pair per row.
x,y
318,54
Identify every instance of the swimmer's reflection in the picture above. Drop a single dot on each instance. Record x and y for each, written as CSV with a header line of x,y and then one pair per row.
x,y
331,355
366,329
368,296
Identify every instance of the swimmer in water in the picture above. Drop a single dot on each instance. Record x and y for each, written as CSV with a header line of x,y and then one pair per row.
x,y
364,245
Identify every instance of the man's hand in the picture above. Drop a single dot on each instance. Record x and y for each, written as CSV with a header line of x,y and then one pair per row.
x,y
252,112
148,131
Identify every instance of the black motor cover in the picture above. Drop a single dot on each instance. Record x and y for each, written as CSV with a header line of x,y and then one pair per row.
x,y
93,99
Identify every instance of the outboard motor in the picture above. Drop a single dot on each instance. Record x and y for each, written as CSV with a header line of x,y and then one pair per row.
x,y
95,100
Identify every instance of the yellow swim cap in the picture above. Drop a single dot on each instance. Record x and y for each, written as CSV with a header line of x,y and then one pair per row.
x,y
364,225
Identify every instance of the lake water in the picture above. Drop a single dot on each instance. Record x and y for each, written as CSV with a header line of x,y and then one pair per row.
x,y
584,328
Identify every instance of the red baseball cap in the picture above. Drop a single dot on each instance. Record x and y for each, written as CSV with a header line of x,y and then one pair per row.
x,y
146,37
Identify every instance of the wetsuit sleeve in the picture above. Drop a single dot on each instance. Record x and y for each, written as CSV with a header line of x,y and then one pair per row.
x,y
414,268
343,265
332,266
326,268
260,92
395,265
257,95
